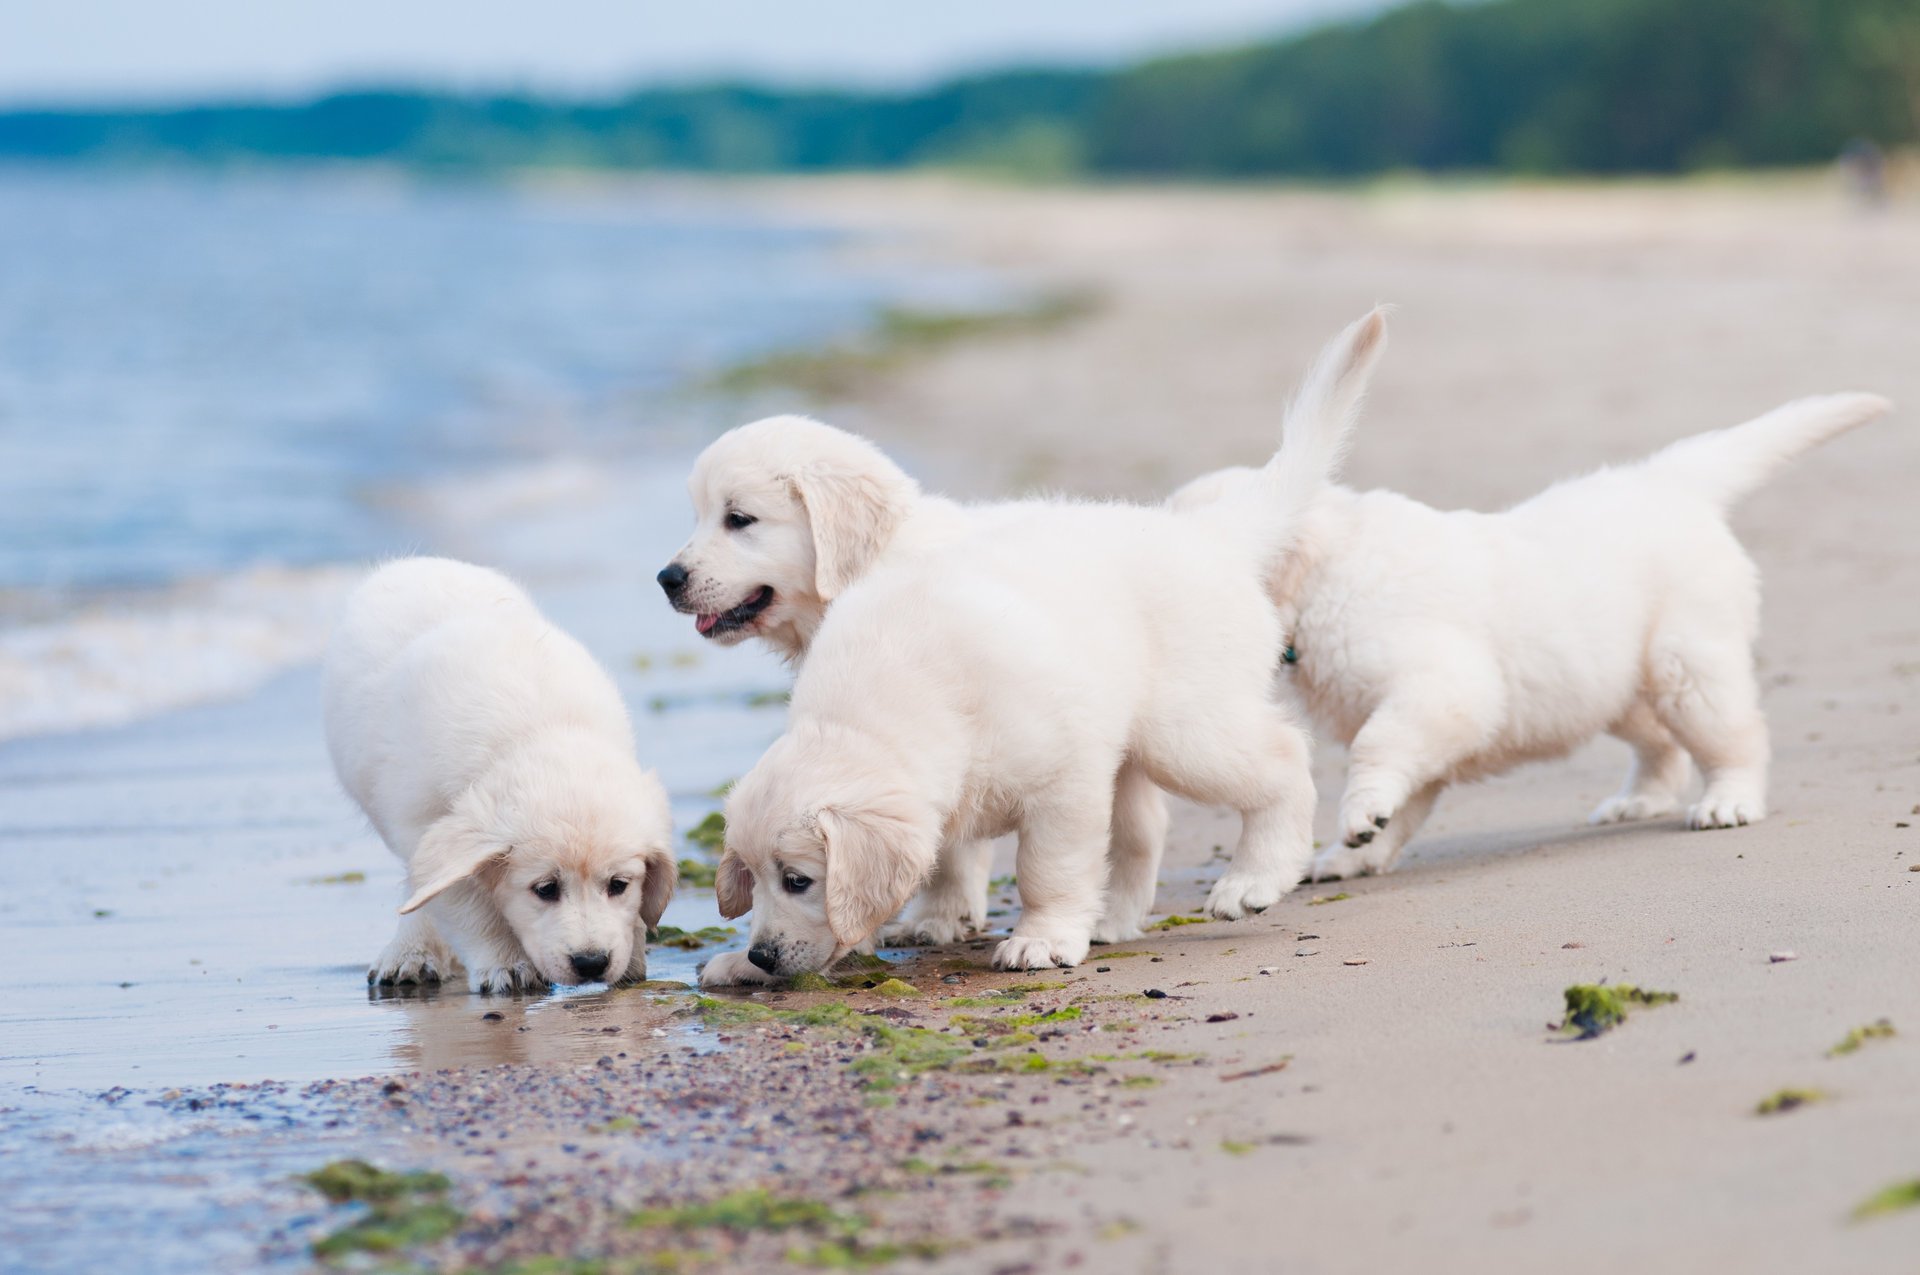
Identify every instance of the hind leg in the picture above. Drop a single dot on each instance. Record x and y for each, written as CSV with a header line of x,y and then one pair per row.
x,y
1248,756
1380,854
953,903
1659,773
1706,695
1139,836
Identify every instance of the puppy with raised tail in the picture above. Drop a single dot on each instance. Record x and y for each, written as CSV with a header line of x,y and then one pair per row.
x,y
495,758
1444,647
1014,681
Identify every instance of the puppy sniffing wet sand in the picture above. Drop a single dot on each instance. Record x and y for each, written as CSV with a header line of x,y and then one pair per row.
x,y
495,758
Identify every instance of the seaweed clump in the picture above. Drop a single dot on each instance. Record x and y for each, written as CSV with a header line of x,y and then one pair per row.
x,y
1594,1009
1879,1029
1893,1199
402,1209
1785,1100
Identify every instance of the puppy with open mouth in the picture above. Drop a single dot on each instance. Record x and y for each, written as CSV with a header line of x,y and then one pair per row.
x,y
1014,681
1447,646
790,513
495,758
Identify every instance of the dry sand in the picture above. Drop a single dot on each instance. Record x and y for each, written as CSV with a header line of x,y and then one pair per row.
x,y
1541,332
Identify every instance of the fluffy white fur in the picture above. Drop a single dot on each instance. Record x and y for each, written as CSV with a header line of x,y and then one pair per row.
x,y
1443,647
1038,676
495,758
789,513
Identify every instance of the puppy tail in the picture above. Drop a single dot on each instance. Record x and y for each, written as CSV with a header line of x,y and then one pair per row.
x,y
1319,424
1726,464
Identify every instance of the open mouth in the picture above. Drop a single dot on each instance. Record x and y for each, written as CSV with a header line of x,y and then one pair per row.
x,y
713,625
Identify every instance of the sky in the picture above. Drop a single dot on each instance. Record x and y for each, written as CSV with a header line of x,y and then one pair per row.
x,y
111,51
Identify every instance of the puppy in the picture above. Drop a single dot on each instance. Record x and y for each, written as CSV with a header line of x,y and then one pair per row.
x,y
1011,682
1445,647
788,514
495,758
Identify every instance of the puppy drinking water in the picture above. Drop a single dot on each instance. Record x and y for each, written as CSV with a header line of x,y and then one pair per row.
x,y
1011,682
495,758
1443,647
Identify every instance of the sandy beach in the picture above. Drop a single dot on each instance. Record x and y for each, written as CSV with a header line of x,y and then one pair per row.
x,y
1364,1078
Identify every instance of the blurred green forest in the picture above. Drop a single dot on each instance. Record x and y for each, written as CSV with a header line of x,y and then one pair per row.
x,y
1534,86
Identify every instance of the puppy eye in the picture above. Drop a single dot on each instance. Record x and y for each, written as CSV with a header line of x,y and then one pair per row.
x,y
737,521
547,891
795,883
617,887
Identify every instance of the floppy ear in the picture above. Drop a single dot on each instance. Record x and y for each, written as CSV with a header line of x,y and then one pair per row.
x,y
874,864
451,851
656,887
853,516
733,886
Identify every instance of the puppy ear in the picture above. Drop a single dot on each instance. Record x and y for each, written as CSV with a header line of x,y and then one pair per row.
x,y
853,515
656,887
451,851
874,864
733,886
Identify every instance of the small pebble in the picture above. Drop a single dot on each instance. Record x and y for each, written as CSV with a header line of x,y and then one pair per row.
x,y
1157,960
1226,1017
1103,969
1268,969
1154,994
1305,951
1355,960
1686,1058
1777,957
492,1016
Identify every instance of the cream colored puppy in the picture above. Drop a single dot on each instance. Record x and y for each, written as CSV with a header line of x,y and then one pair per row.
x,y
1008,683
789,513
495,758
1443,647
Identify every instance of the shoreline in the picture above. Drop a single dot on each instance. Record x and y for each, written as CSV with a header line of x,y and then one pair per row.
x,y
1370,1075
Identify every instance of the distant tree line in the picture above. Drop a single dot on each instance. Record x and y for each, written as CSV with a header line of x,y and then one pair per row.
x,y
1547,86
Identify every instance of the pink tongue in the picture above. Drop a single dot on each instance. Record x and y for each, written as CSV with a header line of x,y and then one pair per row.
x,y
706,622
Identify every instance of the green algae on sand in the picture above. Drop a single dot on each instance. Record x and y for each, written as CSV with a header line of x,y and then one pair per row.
x,y
1596,1008
710,833
692,940
1894,1199
1785,1100
403,1209
696,875
1879,1029
1175,921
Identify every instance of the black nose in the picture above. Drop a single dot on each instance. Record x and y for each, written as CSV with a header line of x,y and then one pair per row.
x,y
589,965
672,578
765,955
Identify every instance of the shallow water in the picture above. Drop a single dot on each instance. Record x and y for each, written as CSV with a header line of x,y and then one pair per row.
x,y
188,900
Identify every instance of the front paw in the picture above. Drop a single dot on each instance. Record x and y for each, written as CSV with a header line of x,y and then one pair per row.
x,y
1031,952
732,969
505,979
1238,893
410,965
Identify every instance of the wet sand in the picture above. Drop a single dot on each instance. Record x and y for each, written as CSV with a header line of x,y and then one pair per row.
x,y
1359,1084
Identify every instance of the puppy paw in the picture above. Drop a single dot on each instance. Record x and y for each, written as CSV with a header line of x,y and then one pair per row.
x,y
1029,952
1344,862
1238,893
732,969
1627,807
1726,809
505,979
925,931
1362,819
409,966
